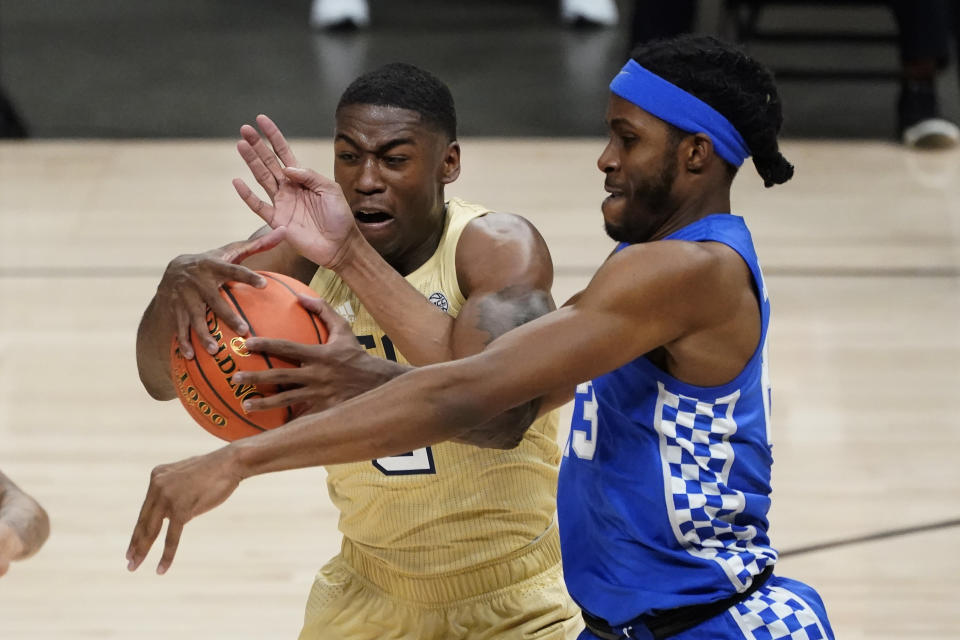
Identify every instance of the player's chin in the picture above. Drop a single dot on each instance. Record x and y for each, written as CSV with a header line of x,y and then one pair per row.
x,y
613,207
380,236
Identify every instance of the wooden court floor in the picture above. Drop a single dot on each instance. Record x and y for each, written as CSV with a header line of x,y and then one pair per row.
x,y
862,256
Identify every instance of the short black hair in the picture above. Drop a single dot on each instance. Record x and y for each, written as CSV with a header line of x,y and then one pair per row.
x,y
731,82
405,86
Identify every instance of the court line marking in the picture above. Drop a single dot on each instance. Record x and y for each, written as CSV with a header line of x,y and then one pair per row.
x,y
823,272
871,537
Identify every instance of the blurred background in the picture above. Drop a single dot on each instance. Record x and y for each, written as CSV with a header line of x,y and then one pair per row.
x,y
201,68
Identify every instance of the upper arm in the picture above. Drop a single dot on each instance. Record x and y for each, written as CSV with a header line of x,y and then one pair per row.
x,y
644,297
282,258
505,274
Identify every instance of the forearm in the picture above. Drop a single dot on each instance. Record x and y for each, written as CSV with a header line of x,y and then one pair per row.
x,y
419,330
437,403
154,336
420,408
25,518
556,399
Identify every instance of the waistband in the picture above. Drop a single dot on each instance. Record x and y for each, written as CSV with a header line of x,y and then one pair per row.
x,y
444,588
666,624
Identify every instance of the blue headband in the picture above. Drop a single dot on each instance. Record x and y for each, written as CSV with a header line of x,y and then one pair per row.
x,y
672,104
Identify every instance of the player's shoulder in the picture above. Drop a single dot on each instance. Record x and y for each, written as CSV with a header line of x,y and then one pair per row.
x,y
678,268
499,225
700,259
497,234
502,248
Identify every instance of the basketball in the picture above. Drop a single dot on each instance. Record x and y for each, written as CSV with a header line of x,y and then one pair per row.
x,y
205,383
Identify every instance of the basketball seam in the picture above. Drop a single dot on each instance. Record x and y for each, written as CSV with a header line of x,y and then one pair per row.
x,y
313,320
266,358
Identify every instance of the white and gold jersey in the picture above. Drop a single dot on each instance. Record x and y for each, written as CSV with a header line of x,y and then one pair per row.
x,y
450,506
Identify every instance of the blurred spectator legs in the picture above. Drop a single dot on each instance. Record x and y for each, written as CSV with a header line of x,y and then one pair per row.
x,y
924,33
655,19
601,13
340,14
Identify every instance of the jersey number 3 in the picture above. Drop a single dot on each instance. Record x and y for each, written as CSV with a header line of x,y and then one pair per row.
x,y
412,463
583,425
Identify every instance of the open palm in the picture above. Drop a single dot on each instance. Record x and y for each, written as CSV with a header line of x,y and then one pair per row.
x,y
319,223
318,219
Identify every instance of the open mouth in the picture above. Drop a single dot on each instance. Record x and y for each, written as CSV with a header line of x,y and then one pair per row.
x,y
371,217
613,191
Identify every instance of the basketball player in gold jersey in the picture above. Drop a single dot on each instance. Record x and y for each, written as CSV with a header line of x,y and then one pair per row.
x,y
455,540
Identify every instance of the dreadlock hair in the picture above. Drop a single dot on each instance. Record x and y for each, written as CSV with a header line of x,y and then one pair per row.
x,y
407,87
731,82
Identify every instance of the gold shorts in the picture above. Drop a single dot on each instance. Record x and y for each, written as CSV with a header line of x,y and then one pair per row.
x,y
356,597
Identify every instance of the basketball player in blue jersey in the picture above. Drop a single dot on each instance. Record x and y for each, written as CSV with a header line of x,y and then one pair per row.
x,y
665,483
437,539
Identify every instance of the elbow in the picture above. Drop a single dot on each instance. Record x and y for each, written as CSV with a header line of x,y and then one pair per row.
x,y
159,388
42,527
470,401
495,438
519,421
514,426
153,368
510,441
504,432
158,393
36,530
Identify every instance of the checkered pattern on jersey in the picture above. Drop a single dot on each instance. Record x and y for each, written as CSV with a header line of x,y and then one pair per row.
x,y
696,455
774,613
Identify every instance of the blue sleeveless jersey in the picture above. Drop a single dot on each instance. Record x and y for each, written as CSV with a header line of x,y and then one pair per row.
x,y
664,486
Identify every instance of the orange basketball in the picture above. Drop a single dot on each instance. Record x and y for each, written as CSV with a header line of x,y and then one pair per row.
x,y
204,384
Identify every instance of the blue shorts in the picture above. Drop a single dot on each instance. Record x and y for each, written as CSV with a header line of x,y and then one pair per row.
x,y
782,609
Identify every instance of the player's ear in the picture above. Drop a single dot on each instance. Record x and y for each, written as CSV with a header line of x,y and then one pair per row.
x,y
450,165
697,152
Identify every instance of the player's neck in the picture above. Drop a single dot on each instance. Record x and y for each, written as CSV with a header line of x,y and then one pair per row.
x,y
417,256
693,209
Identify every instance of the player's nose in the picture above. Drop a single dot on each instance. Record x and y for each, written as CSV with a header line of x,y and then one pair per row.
x,y
608,161
369,180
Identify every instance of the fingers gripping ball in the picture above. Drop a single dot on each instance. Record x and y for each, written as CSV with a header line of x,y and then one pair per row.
x,y
205,383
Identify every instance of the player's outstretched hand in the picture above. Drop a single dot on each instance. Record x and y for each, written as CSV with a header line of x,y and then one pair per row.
x,y
191,283
319,221
328,373
178,493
